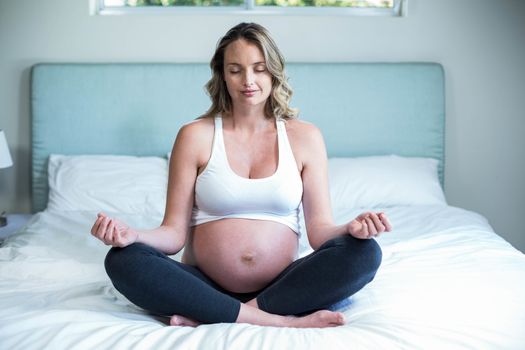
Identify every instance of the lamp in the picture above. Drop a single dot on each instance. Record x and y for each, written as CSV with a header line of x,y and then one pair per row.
x,y
5,162
5,156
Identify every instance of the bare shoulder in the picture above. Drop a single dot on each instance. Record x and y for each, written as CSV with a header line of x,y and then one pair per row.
x,y
303,134
301,128
194,133
306,140
197,128
195,138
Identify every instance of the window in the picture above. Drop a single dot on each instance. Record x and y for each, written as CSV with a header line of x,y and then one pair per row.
x,y
295,7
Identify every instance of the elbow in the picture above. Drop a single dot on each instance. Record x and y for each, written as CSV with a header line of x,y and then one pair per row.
x,y
176,240
314,242
316,235
174,248
321,233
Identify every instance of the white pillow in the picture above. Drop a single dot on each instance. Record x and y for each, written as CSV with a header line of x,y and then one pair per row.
x,y
384,181
125,184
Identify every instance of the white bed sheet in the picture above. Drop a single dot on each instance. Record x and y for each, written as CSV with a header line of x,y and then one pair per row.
x,y
447,281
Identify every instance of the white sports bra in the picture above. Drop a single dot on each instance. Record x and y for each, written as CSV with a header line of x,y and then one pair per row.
x,y
220,193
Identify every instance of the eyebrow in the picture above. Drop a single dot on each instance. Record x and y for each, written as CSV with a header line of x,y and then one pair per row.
x,y
238,64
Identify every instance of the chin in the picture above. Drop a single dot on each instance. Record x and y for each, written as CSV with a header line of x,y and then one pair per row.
x,y
253,102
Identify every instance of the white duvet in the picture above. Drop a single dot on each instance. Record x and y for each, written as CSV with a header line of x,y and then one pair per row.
x,y
447,281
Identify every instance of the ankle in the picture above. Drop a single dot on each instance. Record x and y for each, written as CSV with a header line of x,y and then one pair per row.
x,y
253,303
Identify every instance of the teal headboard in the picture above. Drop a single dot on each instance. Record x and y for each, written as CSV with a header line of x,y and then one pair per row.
x,y
137,109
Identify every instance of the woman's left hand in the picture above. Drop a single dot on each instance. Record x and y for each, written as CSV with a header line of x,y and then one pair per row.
x,y
369,225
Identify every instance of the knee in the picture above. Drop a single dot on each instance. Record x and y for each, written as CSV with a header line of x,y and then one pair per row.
x,y
120,260
364,254
370,251
114,261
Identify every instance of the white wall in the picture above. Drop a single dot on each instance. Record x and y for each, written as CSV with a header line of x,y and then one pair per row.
x,y
481,44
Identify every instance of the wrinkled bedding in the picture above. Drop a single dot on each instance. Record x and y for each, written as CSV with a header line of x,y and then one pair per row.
x,y
447,281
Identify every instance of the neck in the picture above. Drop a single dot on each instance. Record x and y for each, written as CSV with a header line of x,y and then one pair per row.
x,y
249,119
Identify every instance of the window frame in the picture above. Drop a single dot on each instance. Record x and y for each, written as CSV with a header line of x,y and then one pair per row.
x,y
97,7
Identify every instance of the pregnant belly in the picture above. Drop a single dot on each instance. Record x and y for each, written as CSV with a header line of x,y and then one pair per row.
x,y
241,255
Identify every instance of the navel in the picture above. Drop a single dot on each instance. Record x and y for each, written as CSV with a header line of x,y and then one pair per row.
x,y
248,258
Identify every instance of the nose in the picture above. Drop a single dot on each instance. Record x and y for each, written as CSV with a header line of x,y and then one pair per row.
x,y
248,79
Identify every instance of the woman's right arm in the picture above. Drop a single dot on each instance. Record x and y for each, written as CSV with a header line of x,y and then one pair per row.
x,y
170,236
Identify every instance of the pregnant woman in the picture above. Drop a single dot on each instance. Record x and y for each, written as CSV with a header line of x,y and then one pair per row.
x,y
237,177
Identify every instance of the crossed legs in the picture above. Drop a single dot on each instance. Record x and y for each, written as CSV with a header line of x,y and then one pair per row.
x,y
338,269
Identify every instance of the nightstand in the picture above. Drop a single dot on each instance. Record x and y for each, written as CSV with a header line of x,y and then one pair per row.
x,y
14,223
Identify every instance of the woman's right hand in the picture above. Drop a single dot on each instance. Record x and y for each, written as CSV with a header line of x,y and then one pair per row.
x,y
113,232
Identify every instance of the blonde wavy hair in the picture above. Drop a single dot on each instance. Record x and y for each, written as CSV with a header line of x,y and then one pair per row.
x,y
277,103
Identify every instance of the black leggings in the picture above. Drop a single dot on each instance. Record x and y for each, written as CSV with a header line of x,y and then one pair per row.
x,y
163,286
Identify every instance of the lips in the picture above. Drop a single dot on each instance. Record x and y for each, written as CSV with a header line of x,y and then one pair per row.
x,y
248,92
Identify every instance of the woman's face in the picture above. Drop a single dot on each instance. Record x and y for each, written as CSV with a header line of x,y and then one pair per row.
x,y
247,78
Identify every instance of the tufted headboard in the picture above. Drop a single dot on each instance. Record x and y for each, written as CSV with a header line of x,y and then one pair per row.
x,y
137,109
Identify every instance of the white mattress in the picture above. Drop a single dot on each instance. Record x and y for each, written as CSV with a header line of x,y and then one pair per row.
x,y
447,282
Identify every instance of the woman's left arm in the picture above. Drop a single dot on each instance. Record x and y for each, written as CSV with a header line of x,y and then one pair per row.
x,y
316,197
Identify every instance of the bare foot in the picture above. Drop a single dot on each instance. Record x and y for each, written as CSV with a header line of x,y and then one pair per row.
x,y
253,303
319,319
178,320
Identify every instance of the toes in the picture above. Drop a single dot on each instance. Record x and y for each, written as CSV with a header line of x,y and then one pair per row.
x,y
326,318
177,320
340,319
333,318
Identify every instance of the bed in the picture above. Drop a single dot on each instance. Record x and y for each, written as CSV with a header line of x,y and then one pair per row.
x,y
100,138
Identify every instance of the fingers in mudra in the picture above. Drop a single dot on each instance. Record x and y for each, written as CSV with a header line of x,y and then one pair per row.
x,y
372,230
369,225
